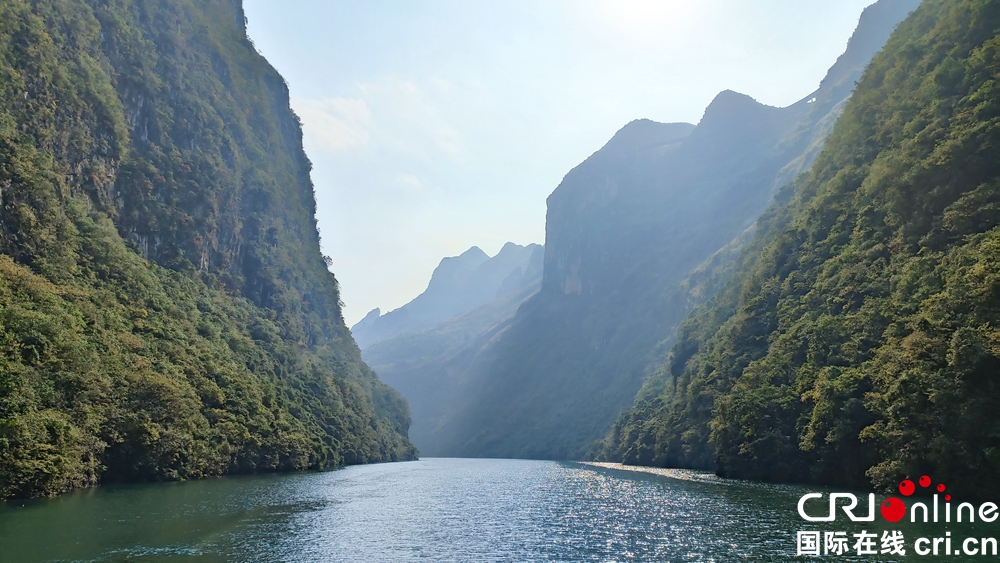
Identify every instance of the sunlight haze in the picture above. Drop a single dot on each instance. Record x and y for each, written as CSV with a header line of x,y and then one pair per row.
x,y
441,125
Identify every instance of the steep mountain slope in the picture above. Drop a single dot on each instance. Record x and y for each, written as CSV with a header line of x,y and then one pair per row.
x,y
165,312
430,367
428,361
458,285
625,232
857,342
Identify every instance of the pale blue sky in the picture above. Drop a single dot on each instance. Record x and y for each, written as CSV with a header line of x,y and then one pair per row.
x,y
437,125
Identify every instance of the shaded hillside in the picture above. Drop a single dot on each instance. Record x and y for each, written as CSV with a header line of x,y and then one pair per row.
x,y
458,285
428,361
625,231
430,367
165,312
857,342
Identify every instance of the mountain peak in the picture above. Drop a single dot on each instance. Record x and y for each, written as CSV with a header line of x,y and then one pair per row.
x,y
509,247
874,27
458,285
642,133
369,319
729,106
474,253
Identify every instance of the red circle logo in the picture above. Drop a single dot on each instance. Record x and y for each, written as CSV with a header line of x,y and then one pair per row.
x,y
907,488
893,509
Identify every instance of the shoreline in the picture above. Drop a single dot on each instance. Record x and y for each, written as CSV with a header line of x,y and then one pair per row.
x,y
700,476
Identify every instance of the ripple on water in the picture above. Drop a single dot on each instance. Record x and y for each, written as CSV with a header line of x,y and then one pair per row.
x,y
431,510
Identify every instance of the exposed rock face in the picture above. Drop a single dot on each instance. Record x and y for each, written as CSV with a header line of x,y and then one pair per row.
x,y
628,234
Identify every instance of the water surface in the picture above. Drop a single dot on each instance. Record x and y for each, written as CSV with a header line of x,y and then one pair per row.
x,y
429,510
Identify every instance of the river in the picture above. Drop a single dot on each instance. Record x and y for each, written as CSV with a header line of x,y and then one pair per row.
x,y
463,510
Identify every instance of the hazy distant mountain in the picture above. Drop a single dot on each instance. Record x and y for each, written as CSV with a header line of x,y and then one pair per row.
x,y
637,235
458,285
426,347
430,368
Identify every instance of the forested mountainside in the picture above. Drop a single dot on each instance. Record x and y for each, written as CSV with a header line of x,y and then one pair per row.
x,y
636,236
458,285
857,342
165,312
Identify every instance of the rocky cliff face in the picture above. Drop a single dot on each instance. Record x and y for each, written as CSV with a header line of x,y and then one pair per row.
x,y
635,236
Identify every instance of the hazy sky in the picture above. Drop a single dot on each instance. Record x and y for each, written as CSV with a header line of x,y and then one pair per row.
x,y
437,125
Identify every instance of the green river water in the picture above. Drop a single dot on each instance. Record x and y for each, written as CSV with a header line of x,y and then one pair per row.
x,y
459,510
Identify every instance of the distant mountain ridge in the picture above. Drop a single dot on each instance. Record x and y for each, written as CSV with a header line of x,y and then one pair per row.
x,y
637,235
458,285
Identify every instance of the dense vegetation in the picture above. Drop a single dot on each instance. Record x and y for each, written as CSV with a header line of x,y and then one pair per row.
x,y
858,341
165,312
636,235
